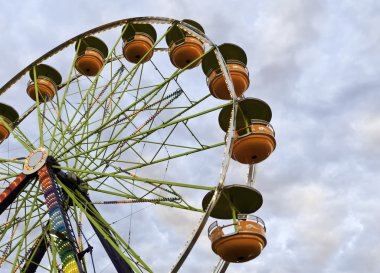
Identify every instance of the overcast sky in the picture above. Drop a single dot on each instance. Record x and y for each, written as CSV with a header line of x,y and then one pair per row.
x,y
317,64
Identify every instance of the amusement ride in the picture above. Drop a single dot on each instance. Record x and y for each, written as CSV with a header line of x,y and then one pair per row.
x,y
127,122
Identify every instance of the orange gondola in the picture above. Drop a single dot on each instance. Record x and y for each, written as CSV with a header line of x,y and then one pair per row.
x,y
138,42
244,238
245,242
47,79
253,143
236,61
254,137
8,116
91,55
184,48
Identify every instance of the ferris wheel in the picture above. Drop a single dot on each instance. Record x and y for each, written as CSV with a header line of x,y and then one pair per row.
x,y
137,115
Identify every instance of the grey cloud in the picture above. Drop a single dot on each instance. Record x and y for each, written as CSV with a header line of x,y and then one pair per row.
x,y
316,64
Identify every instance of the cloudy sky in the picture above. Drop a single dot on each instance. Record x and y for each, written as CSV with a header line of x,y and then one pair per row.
x,y
317,64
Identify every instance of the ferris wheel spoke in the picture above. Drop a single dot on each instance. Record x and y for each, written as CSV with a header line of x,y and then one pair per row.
x,y
5,178
137,165
147,194
84,120
9,168
23,140
102,105
10,160
145,191
132,177
175,79
169,122
172,202
152,93
108,103
57,122
38,104
17,244
174,198
124,140
113,135
66,85
90,160
154,145
170,157
89,93
110,120
50,120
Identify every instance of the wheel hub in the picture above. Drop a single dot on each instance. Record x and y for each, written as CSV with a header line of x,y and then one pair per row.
x,y
35,160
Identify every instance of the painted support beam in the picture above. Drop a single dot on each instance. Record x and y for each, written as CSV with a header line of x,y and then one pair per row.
x,y
13,190
60,227
118,261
